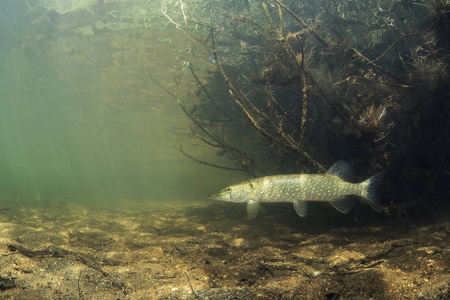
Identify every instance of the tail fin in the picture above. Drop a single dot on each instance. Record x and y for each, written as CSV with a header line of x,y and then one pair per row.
x,y
369,196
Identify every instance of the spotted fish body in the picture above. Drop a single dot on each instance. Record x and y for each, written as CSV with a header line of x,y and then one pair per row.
x,y
331,187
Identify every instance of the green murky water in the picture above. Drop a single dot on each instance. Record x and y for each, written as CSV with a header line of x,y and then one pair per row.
x,y
80,118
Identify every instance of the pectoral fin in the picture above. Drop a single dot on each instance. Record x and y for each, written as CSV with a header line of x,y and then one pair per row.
x,y
252,209
301,208
343,205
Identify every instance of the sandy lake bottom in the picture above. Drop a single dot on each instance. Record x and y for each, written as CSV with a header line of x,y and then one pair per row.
x,y
209,250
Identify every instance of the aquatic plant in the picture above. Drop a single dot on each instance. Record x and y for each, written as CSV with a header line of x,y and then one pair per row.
x,y
325,80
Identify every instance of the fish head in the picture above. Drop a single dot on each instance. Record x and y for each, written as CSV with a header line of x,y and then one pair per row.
x,y
234,193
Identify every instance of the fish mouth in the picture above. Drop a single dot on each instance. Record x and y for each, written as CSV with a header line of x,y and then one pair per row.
x,y
215,196
219,197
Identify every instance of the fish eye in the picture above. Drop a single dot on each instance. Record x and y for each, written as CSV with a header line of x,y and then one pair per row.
x,y
228,189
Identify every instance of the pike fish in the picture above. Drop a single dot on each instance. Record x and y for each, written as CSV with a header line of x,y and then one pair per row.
x,y
333,187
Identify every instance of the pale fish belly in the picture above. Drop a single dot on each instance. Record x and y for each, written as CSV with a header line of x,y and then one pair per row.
x,y
305,187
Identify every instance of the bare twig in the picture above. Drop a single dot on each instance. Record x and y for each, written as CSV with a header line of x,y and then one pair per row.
x,y
228,118
190,285
204,140
400,38
80,294
374,81
206,163
292,14
271,99
367,61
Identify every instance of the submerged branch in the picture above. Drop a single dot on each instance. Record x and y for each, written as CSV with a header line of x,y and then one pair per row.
x,y
367,61
284,142
208,95
353,78
204,140
207,163
297,18
196,121
400,38
246,162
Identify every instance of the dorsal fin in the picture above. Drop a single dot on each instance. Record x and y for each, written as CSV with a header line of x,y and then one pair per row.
x,y
341,169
